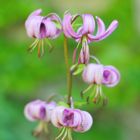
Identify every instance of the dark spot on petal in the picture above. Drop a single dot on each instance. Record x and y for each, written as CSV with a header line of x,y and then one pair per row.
x,y
106,74
42,30
42,113
68,117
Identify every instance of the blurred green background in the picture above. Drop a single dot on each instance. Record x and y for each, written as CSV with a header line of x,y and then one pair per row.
x,y
24,77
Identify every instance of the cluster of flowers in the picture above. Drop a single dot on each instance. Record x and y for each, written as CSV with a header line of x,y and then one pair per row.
x,y
51,26
59,116
91,30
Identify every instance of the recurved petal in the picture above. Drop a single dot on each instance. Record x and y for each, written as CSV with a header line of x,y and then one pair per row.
x,y
86,122
32,17
38,27
36,13
67,27
111,76
56,116
77,118
49,108
100,26
35,110
56,19
88,24
50,27
32,26
104,35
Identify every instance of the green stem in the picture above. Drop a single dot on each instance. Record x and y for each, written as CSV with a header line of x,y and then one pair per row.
x,y
69,74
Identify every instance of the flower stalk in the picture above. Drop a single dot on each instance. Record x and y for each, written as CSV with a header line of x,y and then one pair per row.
x,y
68,71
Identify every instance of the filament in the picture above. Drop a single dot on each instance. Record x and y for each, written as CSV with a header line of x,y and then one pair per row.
x,y
86,90
61,133
65,134
42,48
95,58
51,47
39,46
33,45
69,135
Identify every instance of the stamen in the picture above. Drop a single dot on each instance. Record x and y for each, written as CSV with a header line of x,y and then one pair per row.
x,y
86,90
104,98
69,135
42,48
61,133
39,46
97,95
33,45
91,96
95,58
38,129
46,128
51,47
65,135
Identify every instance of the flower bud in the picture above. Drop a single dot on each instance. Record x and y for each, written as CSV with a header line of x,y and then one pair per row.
x,y
84,54
38,110
93,74
111,76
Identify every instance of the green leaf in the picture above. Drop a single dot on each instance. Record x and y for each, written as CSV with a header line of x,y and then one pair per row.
x,y
63,104
79,69
79,104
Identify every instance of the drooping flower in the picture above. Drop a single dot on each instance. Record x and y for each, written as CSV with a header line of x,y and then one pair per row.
x,y
111,76
98,74
71,119
42,27
86,32
39,110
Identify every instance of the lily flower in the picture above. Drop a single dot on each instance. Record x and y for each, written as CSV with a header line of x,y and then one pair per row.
x,y
86,34
41,28
39,111
70,119
98,74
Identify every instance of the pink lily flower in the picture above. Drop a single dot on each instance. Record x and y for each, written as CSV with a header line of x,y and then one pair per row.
x,y
39,110
86,32
41,28
98,74
68,118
